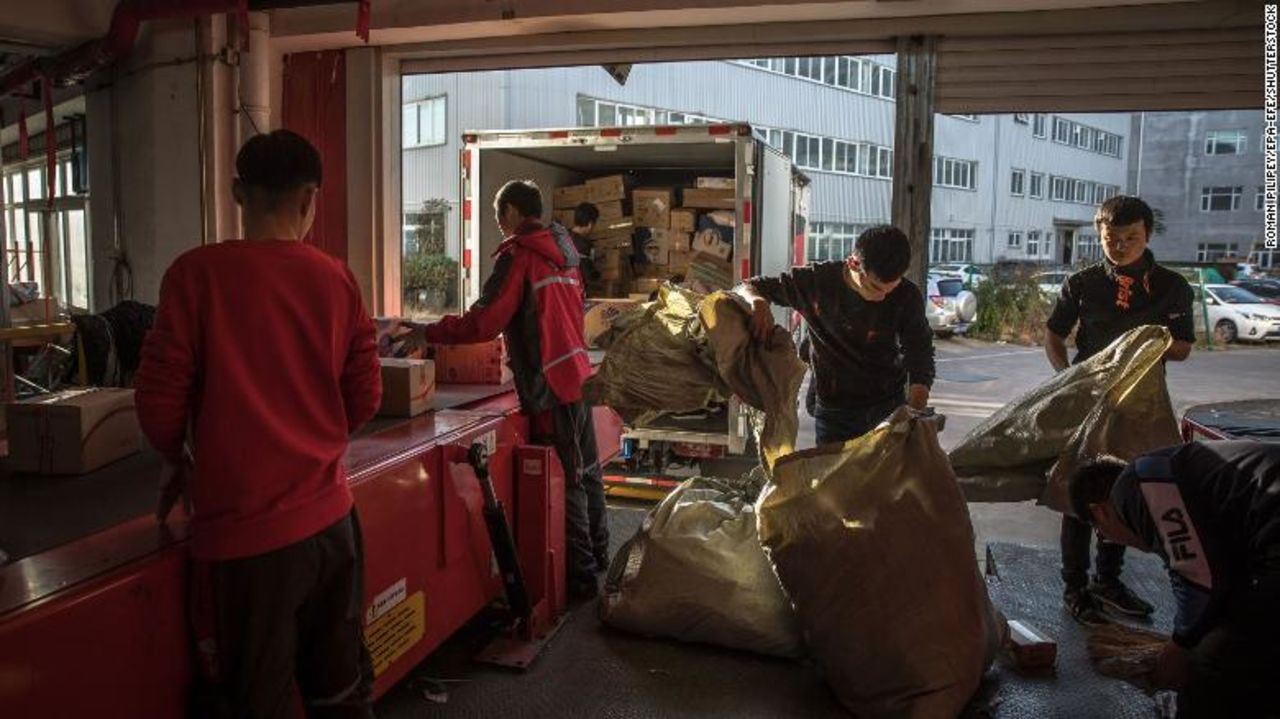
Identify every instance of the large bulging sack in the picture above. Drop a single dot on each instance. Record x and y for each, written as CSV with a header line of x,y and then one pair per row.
x,y
695,571
1115,402
873,544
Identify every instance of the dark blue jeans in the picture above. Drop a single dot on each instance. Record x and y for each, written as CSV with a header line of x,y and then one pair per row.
x,y
1077,536
845,423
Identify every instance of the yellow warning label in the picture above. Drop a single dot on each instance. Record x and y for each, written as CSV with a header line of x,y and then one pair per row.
x,y
395,632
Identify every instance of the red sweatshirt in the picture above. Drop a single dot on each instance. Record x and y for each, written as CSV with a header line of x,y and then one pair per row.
x,y
266,349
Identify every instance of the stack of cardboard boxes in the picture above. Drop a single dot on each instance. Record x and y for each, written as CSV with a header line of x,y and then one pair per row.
x,y
650,235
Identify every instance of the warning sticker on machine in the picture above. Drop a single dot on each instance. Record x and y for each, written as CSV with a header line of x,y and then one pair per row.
x,y
396,631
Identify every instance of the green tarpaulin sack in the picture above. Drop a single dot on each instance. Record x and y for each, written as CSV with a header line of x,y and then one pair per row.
x,y
1116,402
872,542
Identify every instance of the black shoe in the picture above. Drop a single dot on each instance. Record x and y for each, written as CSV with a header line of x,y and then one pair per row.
x,y
1084,608
1119,598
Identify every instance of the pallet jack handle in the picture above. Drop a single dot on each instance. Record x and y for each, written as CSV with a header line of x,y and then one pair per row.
x,y
504,545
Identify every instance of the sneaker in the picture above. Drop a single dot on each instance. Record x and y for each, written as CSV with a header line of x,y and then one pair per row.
x,y
1120,599
1084,608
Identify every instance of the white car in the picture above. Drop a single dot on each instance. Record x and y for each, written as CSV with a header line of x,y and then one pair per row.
x,y
1236,314
949,307
1050,283
970,273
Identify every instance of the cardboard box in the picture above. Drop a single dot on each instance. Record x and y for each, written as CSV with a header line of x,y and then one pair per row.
x,y
652,207
622,243
711,271
564,217
679,262
483,363
709,242
709,199
610,212
683,220
407,386
568,197
38,312
72,432
717,183
600,314
618,226
647,285
607,189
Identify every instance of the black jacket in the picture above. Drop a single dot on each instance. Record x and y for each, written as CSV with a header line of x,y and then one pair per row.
x,y
1211,510
861,352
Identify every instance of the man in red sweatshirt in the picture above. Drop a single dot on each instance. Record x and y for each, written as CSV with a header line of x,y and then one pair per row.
x,y
262,357
535,298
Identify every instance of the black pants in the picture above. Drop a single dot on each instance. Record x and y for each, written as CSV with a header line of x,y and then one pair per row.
x,y
571,430
1076,538
288,617
846,423
1234,667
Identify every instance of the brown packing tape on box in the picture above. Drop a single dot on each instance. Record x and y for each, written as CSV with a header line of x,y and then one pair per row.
x,y
407,386
72,432
568,197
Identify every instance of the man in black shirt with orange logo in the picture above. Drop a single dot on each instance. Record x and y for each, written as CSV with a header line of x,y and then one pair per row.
x,y
1102,302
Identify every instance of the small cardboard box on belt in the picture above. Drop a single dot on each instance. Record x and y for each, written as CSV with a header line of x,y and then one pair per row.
x,y
72,432
483,363
407,386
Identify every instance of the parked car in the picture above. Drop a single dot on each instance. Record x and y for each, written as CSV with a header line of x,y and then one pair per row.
x,y
1050,283
949,306
1267,289
1237,314
970,273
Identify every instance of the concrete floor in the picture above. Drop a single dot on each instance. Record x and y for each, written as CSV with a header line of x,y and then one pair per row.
x,y
592,671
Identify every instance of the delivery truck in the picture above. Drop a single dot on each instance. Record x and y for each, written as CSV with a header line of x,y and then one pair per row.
x,y
704,205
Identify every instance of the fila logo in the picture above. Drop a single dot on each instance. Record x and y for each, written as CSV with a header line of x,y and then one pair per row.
x,y
1177,532
1179,537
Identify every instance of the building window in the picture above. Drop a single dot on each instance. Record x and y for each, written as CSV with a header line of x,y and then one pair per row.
x,y
1224,142
1037,185
828,154
1038,123
1088,248
1021,118
950,245
1220,199
1033,243
856,74
832,240
605,113
1017,182
1212,251
957,174
424,123
1265,258
1091,139
1259,200
28,220
1015,240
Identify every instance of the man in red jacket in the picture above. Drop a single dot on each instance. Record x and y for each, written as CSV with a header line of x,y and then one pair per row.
x,y
263,358
535,297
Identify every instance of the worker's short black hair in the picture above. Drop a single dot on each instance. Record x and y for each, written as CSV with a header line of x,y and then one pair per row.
x,y
885,252
1091,483
1124,210
523,195
277,163
585,214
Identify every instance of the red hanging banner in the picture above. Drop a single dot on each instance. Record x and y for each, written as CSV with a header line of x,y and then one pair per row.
x,y
24,139
50,142
362,20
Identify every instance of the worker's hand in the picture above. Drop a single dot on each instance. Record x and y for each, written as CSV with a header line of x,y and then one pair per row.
x,y
1171,667
918,397
761,321
174,478
413,344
